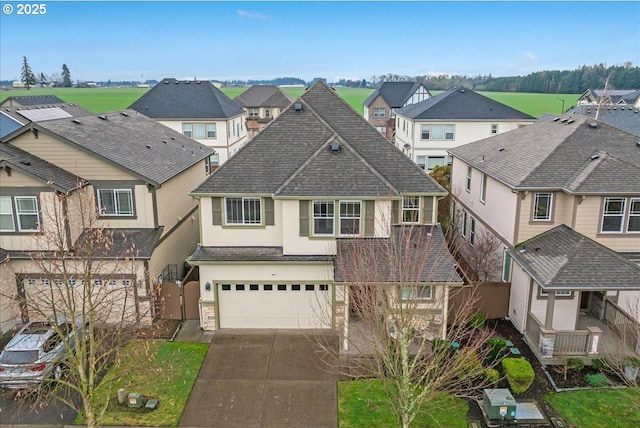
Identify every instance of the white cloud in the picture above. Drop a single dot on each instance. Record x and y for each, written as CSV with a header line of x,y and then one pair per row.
x,y
530,56
253,15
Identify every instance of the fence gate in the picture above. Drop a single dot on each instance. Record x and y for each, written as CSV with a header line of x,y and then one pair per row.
x,y
191,292
169,306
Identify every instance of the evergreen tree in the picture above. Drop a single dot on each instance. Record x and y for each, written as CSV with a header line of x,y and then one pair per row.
x,y
27,76
66,76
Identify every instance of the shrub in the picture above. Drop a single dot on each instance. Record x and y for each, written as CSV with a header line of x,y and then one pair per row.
x,y
477,320
596,380
599,364
492,375
497,350
632,361
572,364
519,374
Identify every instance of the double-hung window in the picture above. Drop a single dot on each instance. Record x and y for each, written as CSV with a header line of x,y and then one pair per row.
x,y
613,214
7,223
437,132
417,292
379,113
467,185
483,187
253,112
463,228
116,202
542,206
26,218
472,232
199,131
411,209
350,213
243,211
323,218
633,224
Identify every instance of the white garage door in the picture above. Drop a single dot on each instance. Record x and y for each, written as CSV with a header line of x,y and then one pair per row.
x,y
274,305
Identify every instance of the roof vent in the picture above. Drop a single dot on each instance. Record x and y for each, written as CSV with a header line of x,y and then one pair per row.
x,y
76,121
166,82
501,149
594,157
103,116
555,119
148,146
462,90
164,141
297,107
564,120
173,138
570,121
24,162
593,124
335,147
124,113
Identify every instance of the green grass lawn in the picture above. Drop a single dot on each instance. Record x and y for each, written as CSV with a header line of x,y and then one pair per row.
x,y
596,408
363,404
163,370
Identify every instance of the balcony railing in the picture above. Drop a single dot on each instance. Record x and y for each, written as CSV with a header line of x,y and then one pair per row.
x,y
626,327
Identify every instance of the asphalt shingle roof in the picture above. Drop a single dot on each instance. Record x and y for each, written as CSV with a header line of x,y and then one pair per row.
x,y
135,243
626,118
264,96
250,254
292,156
564,259
132,141
461,104
574,153
34,166
388,260
395,94
31,100
184,99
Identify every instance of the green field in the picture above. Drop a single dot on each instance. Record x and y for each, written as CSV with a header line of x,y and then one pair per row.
x,y
101,100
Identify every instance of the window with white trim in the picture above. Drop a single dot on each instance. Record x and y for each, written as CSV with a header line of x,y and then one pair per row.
x,y
467,185
463,229
417,292
267,112
506,266
421,161
472,232
350,215
382,129
323,216
613,214
115,202
379,113
559,293
633,224
7,224
494,128
27,213
210,162
542,206
411,209
434,161
437,132
253,112
243,211
199,131
483,187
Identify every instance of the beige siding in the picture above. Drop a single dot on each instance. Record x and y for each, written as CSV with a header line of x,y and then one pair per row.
x,y
19,179
519,297
9,308
561,213
33,241
143,210
70,158
175,249
565,313
174,201
588,219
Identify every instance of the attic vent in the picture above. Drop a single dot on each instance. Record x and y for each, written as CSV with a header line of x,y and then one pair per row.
x,y
555,119
166,82
593,125
187,82
173,138
335,147
570,121
462,91
564,120
24,162
297,106
198,82
501,149
148,146
164,141
103,117
124,113
76,121
638,144
594,157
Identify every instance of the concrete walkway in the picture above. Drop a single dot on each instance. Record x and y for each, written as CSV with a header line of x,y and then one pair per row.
x,y
190,331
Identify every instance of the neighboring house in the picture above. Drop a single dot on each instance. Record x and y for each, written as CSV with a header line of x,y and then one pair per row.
x,y
30,100
19,111
138,172
628,97
270,237
381,106
8,124
624,117
198,110
427,130
520,188
263,103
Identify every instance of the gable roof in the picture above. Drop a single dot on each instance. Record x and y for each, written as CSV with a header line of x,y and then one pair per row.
x,y
135,243
573,153
39,112
626,118
263,96
395,94
52,175
461,104
563,259
31,100
131,141
293,157
185,99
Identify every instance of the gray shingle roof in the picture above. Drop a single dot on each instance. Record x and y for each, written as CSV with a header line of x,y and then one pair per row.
x,y
132,141
387,259
184,99
250,254
263,96
461,104
626,118
31,100
39,112
135,243
292,156
576,154
395,94
38,168
564,259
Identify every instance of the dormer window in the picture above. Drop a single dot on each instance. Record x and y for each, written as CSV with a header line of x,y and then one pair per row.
x,y
115,202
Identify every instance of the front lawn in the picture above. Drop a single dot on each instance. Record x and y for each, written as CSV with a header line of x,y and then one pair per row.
x,y
596,408
162,370
363,404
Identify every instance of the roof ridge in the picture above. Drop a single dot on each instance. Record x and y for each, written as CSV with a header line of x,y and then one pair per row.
x,y
581,174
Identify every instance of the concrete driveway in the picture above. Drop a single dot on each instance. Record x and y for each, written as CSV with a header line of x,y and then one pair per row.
x,y
265,378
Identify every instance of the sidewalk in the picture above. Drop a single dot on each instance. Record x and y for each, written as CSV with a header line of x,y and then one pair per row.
x,y
190,331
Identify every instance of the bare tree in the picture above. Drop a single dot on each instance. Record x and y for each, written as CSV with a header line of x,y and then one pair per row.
x,y
398,290
91,278
484,256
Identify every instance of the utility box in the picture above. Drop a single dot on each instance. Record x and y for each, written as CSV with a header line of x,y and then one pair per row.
x,y
499,404
135,400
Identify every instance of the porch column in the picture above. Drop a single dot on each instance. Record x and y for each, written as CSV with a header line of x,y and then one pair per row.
x,y
548,318
592,343
547,343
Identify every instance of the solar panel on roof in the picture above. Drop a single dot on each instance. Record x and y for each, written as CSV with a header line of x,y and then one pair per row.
x,y
44,114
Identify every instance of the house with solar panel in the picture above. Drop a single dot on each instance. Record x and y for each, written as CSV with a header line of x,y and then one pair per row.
x,y
273,240
198,110
426,130
263,103
611,97
381,106
561,198
134,172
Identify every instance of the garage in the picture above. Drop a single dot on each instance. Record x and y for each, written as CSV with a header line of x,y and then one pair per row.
x,y
306,306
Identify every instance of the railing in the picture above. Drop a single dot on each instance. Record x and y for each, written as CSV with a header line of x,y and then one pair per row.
x,y
571,342
551,346
624,324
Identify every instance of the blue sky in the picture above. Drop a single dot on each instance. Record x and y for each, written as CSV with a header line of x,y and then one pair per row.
x,y
225,40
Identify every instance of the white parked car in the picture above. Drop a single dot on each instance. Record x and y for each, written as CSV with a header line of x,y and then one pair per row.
x,y
37,353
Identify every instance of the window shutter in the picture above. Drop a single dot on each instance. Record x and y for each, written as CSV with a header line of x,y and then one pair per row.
x,y
427,209
369,217
395,210
216,207
269,215
304,218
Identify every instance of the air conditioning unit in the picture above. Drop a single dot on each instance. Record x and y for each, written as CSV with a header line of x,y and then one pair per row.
x,y
499,404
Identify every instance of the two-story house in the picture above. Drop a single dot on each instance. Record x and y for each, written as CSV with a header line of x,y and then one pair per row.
x,y
270,237
19,111
621,97
562,197
136,172
381,106
198,110
263,103
427,130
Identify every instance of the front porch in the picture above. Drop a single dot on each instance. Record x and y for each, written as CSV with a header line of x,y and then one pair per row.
x,y
612,332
